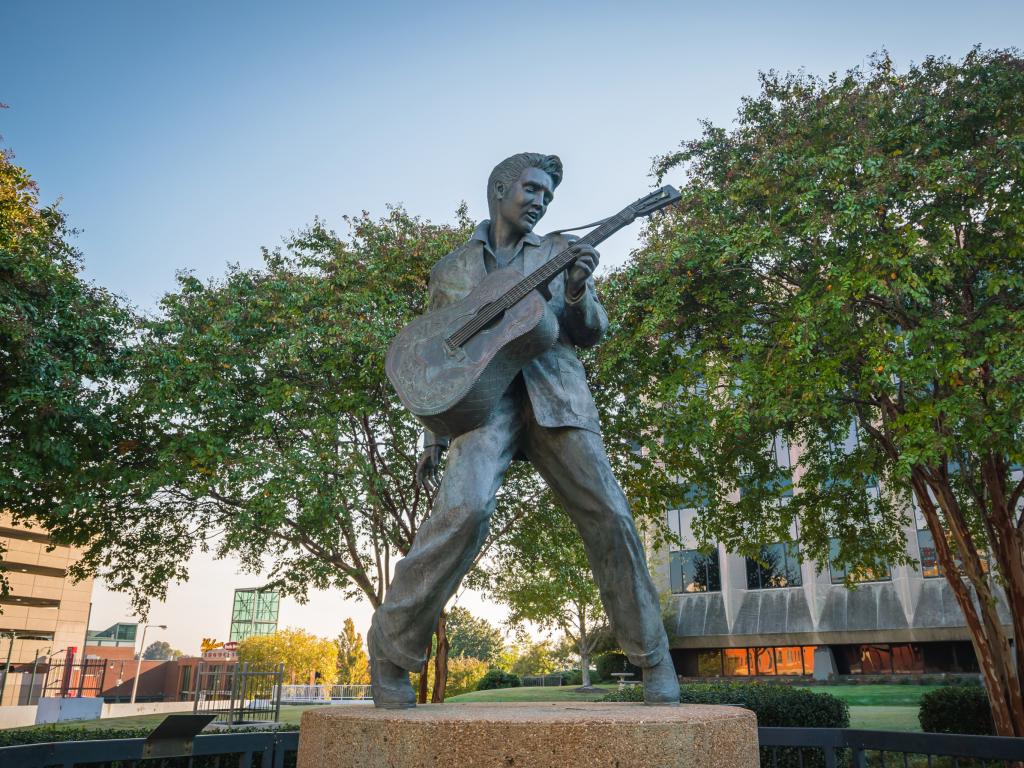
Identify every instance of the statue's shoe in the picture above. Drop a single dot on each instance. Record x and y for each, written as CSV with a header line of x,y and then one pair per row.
x,y
661,686
389,683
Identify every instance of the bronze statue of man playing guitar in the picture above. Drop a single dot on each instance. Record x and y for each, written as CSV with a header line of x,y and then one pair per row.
x,y
545,414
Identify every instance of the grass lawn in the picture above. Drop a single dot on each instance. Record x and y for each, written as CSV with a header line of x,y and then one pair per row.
x,y
876,695
536,693
884,718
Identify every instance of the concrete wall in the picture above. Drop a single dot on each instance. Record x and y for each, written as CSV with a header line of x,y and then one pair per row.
x,y
18,717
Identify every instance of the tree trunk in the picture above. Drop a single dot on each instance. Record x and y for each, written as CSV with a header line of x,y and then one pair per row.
x,y
425,677
990,650
584,666
440,660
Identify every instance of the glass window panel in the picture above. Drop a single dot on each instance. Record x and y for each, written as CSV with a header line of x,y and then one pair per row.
x,y
765,660
875,659
907,658
777,566
709,663
789,660
808,654
838,573
736,661
929,558
695,571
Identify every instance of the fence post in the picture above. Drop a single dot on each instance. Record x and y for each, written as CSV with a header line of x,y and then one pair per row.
x,y
280,682
195,695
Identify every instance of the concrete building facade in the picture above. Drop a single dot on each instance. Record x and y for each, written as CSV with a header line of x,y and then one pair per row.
x,y
45,611
731,616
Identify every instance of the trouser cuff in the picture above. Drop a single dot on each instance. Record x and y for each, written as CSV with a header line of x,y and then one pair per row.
x,y
381,645
649,659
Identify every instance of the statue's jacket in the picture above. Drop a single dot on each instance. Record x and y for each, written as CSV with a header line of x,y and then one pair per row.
x,y
555,382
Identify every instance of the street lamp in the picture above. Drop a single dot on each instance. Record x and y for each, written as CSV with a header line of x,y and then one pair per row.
x,y
138,667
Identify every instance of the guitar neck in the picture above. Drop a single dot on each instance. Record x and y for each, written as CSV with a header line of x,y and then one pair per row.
x,y
544,273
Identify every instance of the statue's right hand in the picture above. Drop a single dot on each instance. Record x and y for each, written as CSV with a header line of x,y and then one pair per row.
x,y
428,465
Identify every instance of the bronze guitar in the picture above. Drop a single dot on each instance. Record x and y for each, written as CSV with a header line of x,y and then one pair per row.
x,y
451,366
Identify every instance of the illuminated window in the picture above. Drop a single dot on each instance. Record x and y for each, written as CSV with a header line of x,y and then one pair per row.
x,y
736,661
695,571
778,565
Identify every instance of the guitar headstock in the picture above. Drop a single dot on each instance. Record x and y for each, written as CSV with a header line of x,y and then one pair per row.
x,y
655,201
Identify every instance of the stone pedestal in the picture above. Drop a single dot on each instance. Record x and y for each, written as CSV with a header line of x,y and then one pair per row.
x,y
557,735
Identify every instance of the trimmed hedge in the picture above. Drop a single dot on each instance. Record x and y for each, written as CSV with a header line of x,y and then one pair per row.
x,y
498,678
42,734
956,709
774,705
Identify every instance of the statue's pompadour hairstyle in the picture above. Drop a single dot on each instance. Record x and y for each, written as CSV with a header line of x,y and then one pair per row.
x,y
508,170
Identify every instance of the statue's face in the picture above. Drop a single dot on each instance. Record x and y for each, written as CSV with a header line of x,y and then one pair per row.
x,y
524,203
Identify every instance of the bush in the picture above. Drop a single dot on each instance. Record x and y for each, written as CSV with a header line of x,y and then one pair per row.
x,y
42,734
774,705
464,674
614,662
956,709
498,678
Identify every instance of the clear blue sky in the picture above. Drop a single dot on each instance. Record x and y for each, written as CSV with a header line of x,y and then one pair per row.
x,y
185,135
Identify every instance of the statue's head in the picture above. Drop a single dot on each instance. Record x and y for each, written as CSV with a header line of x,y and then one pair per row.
x,y
520,188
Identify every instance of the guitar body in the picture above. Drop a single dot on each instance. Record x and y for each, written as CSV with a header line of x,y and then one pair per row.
x,y
453,390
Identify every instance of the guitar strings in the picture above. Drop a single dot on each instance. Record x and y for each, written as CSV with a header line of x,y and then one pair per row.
x,y
536,278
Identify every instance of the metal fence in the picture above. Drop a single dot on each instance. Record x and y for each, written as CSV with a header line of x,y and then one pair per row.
x,y
804,747
238,693
323,694
79,678
244,750
850,748
546,681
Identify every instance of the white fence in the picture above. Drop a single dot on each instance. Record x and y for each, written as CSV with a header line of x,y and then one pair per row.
x,y
323,694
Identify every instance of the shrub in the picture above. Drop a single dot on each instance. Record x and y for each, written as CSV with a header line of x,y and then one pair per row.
x,y
41,734
774,705
956,709
464,675
614,662
498,678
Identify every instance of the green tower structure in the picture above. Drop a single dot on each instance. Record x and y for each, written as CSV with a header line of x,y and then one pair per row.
x,y
254,612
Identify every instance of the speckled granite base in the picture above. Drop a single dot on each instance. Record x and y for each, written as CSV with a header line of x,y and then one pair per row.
x,y
557,735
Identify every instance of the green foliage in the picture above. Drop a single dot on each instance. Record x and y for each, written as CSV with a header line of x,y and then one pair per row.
x,y
848,255
541,572
498,678
306,658
262,424
956,709
353,661
42,734
614,661
534,658
161,649
473,637
61,344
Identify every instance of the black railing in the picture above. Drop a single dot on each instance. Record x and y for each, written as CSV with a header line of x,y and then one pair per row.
x,y
801,747
244,750
850,748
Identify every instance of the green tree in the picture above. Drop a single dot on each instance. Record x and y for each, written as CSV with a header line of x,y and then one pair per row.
x,y
541,572
848,257
469,636
161,649
61,340
353,663
257,422
306,658
534,658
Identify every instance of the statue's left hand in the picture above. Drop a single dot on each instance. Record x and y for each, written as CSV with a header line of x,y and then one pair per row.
x,y
581,270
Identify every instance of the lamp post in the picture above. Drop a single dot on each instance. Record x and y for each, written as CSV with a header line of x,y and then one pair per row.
x,y
7,668
138,667
35,666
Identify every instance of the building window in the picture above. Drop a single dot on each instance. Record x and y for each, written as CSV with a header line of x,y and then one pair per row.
x,y
778,565
743,662
695,571
930,566
30,602
883,659
860,575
